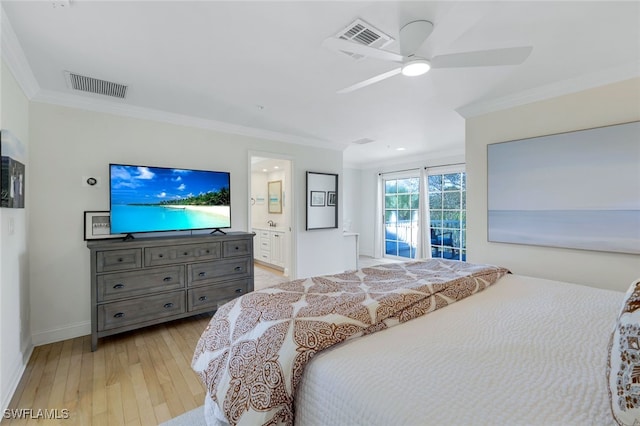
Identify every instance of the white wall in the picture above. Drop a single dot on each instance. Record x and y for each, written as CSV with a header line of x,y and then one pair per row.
x,y
351,200
611,104
15,336
67,144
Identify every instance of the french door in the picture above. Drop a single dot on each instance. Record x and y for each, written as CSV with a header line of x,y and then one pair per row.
x,y
401,215
447,215
443,215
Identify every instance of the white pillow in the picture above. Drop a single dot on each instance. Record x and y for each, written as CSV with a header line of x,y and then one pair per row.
x,y
623,367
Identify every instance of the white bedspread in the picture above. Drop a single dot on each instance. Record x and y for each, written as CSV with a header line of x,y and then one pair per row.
x,y
523,352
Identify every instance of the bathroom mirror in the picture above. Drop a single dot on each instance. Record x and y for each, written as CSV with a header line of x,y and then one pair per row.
x,y
275,196
322,200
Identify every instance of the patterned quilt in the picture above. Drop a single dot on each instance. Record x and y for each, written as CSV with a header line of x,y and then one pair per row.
x,y
253,352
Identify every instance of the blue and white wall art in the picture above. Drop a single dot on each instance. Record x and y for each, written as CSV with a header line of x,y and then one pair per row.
x,y
577,190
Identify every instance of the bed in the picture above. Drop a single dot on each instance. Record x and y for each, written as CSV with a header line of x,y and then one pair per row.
x,y
504,349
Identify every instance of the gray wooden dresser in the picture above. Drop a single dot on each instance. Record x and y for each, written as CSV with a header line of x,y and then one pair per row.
x,y
146,281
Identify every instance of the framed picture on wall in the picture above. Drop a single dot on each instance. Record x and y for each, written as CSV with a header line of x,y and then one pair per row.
x,y
12,171
97,226
331,198
317,199
577,190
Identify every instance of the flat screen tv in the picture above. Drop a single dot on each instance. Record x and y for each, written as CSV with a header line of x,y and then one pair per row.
x,y
151,199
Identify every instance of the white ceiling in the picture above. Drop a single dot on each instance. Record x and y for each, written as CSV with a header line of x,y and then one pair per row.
x,y
259,68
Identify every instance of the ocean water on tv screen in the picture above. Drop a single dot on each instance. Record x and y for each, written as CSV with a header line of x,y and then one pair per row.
x,y
132,218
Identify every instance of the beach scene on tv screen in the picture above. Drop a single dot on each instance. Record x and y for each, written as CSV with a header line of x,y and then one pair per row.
x,y
147,199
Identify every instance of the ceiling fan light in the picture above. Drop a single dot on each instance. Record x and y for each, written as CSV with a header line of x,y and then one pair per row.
x,y
416,67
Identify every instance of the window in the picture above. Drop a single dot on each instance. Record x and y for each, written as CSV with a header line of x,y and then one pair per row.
x,y
447,211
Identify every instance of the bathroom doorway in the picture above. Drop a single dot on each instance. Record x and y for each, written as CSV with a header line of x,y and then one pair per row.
x,y
271,213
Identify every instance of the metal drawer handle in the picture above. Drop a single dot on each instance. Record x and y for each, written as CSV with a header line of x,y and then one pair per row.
x,y
120,259
202,298
161,255
118,286
168,305
186,253
167,279
202,274
237,248
119,315
237,269
207,251
239,290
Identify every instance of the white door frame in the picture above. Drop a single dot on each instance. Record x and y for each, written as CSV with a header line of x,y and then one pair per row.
x,y
382,177
289,205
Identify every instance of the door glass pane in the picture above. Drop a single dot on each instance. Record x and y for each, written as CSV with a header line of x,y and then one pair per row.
x,y
451,200
435,183
435,200
403,201
391,201
391,186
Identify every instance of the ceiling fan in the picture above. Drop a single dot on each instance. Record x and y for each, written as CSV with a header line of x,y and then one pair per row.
x,y
412,36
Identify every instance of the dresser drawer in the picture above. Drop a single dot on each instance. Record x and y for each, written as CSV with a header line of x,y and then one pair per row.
x,y
236,248
213,296
141,309
118,260
136,283
203,273
155,256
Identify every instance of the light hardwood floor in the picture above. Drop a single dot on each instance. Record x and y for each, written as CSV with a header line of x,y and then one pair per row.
x,y
142,377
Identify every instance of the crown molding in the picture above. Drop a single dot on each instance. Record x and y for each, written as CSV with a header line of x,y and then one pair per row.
x,y
13,56
116,108
565,87
419,159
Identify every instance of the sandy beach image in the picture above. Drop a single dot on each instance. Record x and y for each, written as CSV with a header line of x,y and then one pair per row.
x,y
212,210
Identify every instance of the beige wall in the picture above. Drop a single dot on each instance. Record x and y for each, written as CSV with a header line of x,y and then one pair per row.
x,y
68,144
607,105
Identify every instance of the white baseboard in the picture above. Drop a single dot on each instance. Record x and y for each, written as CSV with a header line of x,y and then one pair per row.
x,y
61,333
19,366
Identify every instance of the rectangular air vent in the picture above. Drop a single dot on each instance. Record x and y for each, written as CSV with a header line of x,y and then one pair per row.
x,y
95,85
361,32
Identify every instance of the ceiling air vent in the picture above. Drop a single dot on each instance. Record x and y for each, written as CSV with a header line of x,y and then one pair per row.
x,y
95,85
363,33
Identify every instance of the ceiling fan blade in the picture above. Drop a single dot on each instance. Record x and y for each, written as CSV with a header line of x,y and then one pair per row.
x,y
483,58
349,46
454,20
413,35
370,81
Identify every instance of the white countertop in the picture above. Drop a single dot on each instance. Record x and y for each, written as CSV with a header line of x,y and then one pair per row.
x,y
270,228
